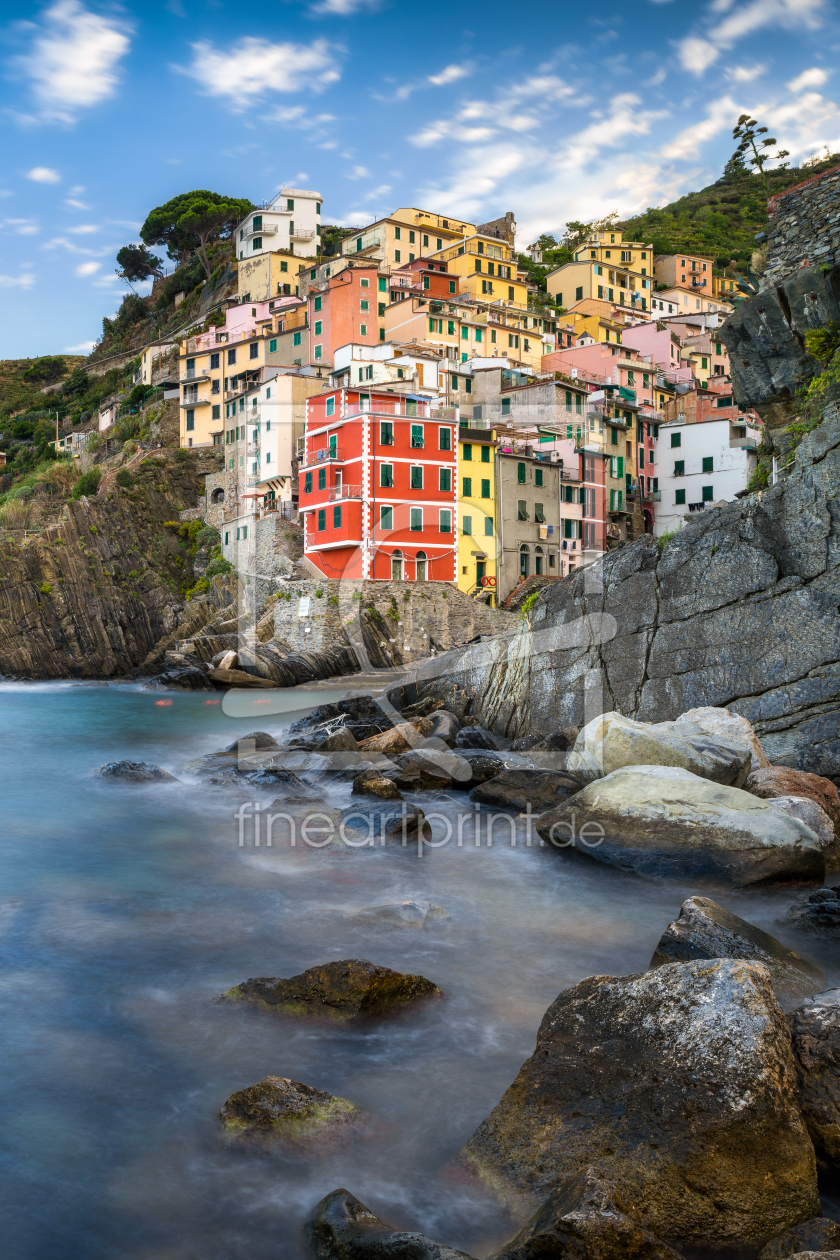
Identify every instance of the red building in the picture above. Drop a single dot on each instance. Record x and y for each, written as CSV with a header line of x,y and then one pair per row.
x,y
346,308
378,487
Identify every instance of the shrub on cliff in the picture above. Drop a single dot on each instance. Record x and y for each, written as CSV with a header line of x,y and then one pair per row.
x,y
88,483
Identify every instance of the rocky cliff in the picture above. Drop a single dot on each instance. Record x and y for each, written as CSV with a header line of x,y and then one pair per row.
x,y
90,596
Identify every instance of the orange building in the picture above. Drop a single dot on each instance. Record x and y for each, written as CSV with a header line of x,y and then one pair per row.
x,y
346,308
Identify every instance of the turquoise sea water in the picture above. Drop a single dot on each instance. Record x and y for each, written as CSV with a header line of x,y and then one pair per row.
x,y
125,911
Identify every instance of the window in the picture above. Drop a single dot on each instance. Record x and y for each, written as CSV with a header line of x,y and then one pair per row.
x,y
255,349
386,517
190,420
417,435
522,510
416,519
397,256
397,234
416,477
579,293
284,266
521,475
445,439
322,478
679,496
319,350
445,479
539,514
708,463
679,468
676,439
451,286
364,282
468,487
217,415
257,243
445,521
336,517
708,494
466,524
386,474
272,345
505,406
322,518
316,305
513,341
296,338
364,305
214,360
438,243
485,487
231,356
216,386
538,476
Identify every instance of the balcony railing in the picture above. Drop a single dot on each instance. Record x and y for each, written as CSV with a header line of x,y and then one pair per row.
x,y
345,492
324,456
302,234
655,496
744,443
253,448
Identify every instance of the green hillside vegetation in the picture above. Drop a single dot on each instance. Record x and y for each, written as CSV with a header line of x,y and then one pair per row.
x,y
21,380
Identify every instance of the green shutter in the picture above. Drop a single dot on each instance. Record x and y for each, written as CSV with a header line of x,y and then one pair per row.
x,y
620,465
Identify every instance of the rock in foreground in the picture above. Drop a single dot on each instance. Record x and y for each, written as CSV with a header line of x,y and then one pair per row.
x,y
585,1218
612,741
815,1030
279,1109
517,789
784,781
342,1228
817,912
135,772
342,991
680,1085
706,930
660,821
811,1237
371,823
816,819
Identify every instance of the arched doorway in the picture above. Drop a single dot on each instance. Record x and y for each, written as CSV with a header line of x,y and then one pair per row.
x,y
524,561
538,560
218,496
421,566
396,566
648,522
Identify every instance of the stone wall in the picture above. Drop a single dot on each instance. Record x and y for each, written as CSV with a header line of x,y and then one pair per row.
x,y
804,226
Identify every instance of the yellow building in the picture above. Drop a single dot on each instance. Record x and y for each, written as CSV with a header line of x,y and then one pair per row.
x,y
406,234
487,270
269,275
477,514
608,268
464,328
725,288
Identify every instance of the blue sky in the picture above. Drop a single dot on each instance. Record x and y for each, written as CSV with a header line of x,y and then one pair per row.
x,y
110,109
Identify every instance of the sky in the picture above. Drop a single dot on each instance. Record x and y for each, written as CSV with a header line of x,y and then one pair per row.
x,y
111,109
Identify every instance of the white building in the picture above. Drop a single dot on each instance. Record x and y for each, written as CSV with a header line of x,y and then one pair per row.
x,y
292,221
686,302
701,464
389,363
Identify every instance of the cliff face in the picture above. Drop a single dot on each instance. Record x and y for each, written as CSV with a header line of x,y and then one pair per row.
x,y
90,597
740,609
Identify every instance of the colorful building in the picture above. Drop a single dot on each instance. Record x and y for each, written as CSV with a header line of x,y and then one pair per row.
x,y
477,512
378,487
608,268
487,269
708,455
290,222
405,235
344,308
681,271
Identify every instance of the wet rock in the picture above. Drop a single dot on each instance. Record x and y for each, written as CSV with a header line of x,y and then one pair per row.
x,y
279,1108
486,765
680,1085
706,930
341,741
381,822
783,781
398,739
228,659
240,678
660,821
516,789
556,742
427,769
308,723
135,772
817,912
402,914
342,1228
476,737
342,991
732,727
372,783
586,1218
441,725
184,678
814,817
247,745
613,741
271,774
526,742
815,1033
817,1235
816,1255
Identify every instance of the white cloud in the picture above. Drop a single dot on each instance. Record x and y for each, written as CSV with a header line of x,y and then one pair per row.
x,y
88,268
77,190
77,205
808,79
722,116
359,172
449,75
43,175
253,67
73,61
25,281
376,193
28,229
342,8
698,52
744,74
84,347
84,229
656,79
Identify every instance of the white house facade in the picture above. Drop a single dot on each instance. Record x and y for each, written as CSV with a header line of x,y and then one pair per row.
x,y
701,464
292,221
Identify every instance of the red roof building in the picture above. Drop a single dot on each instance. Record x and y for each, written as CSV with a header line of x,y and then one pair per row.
x,y
378,487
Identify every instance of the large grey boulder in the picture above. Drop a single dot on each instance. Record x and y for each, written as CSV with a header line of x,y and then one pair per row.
x,y
816,819
730,726
613,740
662,821
342,1228
706,930
815,1030
680,1085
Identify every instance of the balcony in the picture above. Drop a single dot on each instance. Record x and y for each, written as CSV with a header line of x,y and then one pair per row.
x,y
743,444
192,375
302,234
345,492
253,448
362,243
655,496
265,229
323,456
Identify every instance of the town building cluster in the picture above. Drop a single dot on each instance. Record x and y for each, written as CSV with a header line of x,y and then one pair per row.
x,y
429,415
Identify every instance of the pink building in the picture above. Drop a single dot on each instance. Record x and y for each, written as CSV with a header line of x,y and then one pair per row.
x,y
614,365
661,346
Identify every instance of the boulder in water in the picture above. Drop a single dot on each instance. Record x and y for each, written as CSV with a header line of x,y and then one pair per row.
x,y
732,727
441,725
476,737
341,740
247,745
396,740
679,1085
815,1032
516,789
815,817
585,1218
612,741
378,822
706,930
785,781
342,1228
372,783
342,991
817,912
279,1108
135,772
661,821
816,1236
